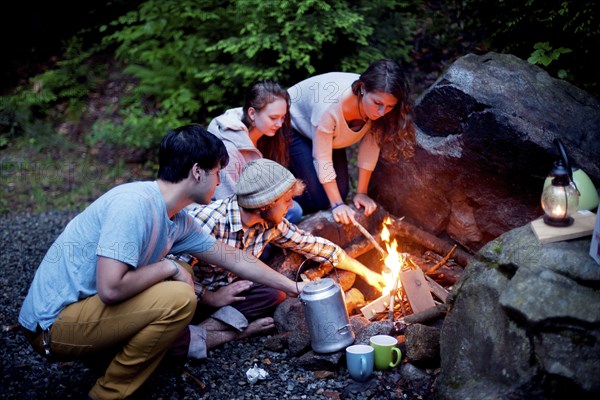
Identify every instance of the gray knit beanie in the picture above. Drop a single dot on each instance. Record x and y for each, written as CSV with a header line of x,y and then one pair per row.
x,y
263,181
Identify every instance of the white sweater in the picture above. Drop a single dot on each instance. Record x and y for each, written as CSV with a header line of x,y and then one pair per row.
x,y
316,113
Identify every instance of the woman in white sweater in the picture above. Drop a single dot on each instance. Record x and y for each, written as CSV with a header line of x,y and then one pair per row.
x,y
332,111
258,129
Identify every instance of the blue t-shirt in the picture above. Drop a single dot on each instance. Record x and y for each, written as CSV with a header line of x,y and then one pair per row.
x,y
129,223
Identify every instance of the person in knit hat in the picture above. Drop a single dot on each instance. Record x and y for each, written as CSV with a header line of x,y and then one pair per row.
x,y
263,182
232,308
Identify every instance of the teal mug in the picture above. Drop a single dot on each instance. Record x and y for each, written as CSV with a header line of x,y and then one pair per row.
x,y
359,360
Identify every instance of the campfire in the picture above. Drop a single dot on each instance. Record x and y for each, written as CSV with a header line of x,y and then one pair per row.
x,y
419,268
407,288
418,275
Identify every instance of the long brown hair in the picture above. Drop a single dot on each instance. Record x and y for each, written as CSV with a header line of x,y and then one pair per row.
x,y
395,130
275,148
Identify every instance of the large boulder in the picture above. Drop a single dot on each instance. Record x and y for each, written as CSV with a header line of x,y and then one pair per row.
x,y
524,323
485,134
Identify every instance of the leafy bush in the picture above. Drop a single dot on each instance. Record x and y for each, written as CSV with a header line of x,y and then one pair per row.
x,y
193,59
559,35
33,109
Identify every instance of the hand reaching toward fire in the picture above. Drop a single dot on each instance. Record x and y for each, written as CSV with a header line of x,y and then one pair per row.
x,y
372,278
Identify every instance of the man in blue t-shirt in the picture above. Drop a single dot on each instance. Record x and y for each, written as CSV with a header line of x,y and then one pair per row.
x,y
105,281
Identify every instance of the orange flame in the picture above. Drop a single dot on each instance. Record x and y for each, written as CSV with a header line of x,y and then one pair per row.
x,y
394,260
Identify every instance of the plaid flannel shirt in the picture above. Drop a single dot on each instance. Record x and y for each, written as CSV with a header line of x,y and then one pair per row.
x,y
222,219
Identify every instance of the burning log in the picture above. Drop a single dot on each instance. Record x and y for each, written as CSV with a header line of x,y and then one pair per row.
x,y
358,249
377,306
414,295
401,228
346,279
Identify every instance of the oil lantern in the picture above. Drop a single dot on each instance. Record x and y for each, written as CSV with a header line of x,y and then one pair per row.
x,y
560,199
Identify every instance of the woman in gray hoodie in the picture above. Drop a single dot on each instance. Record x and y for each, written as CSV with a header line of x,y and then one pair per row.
x,y
258,129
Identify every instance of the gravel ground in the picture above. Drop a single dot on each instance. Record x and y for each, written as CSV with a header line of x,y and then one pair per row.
x,y
26,375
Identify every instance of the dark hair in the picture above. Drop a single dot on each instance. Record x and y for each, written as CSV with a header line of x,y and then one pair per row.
x,y
395,130
185,146
258,96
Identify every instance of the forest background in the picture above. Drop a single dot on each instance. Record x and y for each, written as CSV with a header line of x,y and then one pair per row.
x,y
89,88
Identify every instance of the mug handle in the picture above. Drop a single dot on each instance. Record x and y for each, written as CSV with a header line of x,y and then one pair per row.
x,y
363,367
398,358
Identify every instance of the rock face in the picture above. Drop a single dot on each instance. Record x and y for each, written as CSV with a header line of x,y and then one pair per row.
x,y
485,132
525,323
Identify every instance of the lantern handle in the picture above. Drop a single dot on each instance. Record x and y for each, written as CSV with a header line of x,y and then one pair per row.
x,y
565,158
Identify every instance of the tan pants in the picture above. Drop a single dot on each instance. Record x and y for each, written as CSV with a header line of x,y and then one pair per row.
x,y
144,326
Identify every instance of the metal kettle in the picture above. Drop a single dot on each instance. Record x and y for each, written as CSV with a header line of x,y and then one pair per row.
x,y
326,316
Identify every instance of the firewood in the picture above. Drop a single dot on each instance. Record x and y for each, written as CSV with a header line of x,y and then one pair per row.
x,y
429,314
370,238
287,264
437,289
417,290
358,249
397,227
344,278
446,275
432,256
354,300
442,261
319,271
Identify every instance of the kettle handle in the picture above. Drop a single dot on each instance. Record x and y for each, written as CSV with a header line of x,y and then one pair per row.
x,y
345,329
298,273
300,270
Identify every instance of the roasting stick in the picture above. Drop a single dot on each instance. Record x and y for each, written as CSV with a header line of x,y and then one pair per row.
x,y
365,232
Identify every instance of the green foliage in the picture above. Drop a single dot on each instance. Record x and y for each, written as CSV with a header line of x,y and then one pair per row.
x,y
193,59
544,54
56,94
543,30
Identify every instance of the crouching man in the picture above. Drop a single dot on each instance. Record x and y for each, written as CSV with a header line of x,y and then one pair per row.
x,y
105,283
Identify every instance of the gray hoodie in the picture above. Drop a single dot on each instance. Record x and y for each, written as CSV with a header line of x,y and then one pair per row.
x,y
231,130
